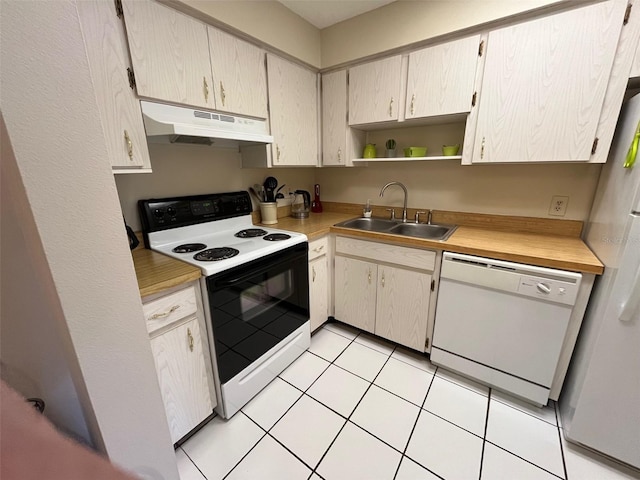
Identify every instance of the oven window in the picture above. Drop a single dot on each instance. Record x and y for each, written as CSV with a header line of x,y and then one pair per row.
x,y
257,305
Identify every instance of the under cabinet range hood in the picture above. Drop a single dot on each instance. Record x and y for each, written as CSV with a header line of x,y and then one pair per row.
x,y
170,124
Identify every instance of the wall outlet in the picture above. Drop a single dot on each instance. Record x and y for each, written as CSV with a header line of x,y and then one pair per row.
x,y
558,205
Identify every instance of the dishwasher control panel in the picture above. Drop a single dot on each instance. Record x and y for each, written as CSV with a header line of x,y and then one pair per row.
x,y
548,289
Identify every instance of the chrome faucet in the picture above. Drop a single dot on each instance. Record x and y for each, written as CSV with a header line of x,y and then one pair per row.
x,y
404,207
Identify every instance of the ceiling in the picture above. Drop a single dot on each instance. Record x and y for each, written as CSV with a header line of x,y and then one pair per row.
x,y
324,13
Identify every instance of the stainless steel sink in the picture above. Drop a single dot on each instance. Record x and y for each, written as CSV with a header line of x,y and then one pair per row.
x,y
396,227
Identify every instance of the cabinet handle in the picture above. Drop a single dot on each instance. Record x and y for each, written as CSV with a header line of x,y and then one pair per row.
x,y
391,107
190,338
313,276
155,316
222,94
205,89
277,153
129,145
383,279
482,149
318,249
369,276
339,155
413,100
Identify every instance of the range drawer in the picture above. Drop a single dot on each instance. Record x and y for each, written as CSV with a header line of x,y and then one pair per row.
x,y
318,247
380,252
170,308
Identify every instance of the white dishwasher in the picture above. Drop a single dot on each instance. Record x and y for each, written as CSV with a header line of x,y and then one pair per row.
x,y
503,323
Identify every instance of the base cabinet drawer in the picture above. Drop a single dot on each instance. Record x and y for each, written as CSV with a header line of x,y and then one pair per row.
x,y
165,310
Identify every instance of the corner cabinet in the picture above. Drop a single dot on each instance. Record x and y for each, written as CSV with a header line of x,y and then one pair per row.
x,y
239,75
385,289
120,114
374,91
340,143
440,79
293,113
544,85
178,342
170,54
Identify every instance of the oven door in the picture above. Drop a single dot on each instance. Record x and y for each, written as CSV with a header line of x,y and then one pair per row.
x,y
256,305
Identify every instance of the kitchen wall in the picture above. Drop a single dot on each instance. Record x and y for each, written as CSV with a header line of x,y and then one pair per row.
x,y
194,169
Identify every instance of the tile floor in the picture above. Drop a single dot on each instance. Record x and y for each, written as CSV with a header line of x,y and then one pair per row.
x,y
357,407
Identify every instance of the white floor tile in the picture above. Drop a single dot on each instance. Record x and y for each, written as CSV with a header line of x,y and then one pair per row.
x,y
308,429
327,344
445,449
406,380
305,370
525,436
419,360
357,455
220,444
376,343
362,361
388,417
339,390
410,470
270,461
342,329
270,404
186,467
464,407
547,413
583,464
463,381
498,464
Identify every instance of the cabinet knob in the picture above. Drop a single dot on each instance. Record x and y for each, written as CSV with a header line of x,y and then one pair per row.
x,y
382,280
369,276
190,339
222,94
205,89
129,145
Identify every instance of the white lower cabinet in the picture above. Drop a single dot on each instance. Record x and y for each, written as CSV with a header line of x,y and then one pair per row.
x,y
385,289
178,343
318,282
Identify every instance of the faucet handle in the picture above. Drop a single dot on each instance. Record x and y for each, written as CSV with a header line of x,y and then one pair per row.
x,y
393,212
418,216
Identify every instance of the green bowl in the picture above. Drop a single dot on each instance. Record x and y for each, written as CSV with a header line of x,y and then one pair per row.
x,y
415,152
449,150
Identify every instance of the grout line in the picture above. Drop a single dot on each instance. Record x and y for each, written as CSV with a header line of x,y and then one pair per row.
x,y
452,423
524,459
194,463
250,450
564,462
527,413
484,436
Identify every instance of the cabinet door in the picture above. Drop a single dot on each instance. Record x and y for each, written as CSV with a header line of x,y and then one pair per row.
x,y
120,114
293,112
402,307
182,374
170,54
374,91
544,85
441,78
334,118
318,291
355,292
239,75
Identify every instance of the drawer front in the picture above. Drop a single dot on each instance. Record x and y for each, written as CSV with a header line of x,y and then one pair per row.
x,y
380,252
166,310
318,248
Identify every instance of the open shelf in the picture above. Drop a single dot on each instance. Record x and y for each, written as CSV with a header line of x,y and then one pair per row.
x,y
408,159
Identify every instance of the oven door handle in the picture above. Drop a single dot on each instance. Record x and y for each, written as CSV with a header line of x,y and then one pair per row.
x,y
234,281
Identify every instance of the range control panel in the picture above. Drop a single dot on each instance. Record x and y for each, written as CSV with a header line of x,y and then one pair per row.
x,y
163,213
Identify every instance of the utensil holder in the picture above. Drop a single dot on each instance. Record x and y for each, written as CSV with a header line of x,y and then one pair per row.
x,y
269,212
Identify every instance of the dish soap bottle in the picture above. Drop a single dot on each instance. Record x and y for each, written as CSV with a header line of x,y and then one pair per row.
x,y
367,209
316,205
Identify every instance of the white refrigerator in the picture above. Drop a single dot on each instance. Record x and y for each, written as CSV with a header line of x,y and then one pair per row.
x,y
600,401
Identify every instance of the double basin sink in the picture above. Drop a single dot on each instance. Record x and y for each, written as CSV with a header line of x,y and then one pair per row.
x,y
397,227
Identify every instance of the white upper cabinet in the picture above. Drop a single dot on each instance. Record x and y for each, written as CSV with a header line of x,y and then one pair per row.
x,y
293,104
544,85
374,91
120,113
170,54
441,79
239,75
334,118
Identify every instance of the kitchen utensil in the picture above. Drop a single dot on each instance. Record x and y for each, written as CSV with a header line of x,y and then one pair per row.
x,y
415,152
448,150
270,184
280,188
316,205
300,209
255,194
